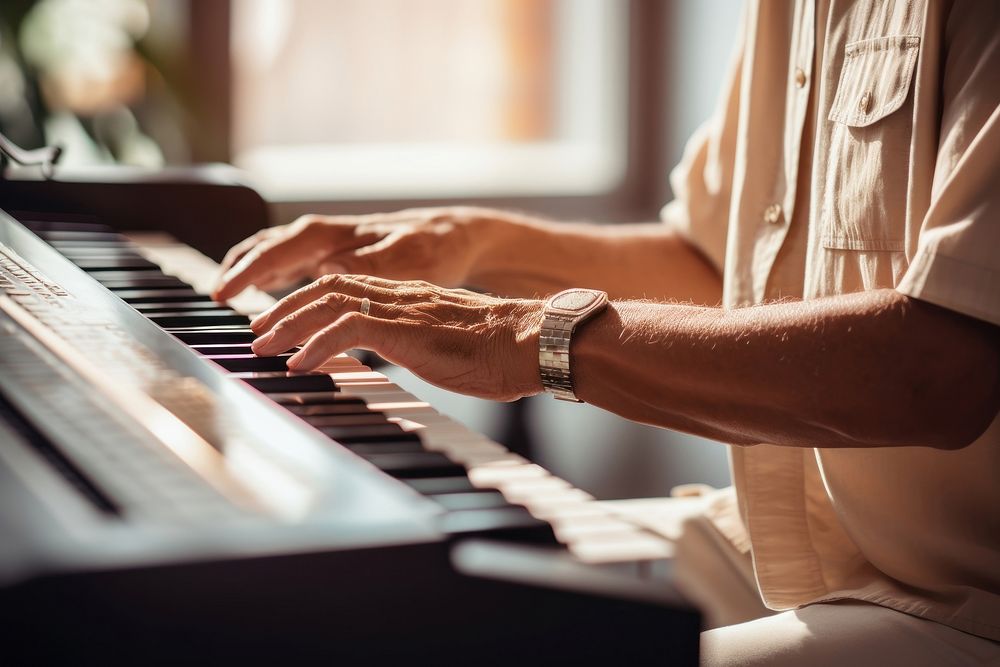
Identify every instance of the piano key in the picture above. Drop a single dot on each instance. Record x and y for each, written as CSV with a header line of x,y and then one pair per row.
x,y
94,252
434,486
210,350
154,307
370,433
394,447
312,398
268,383
238,363
119,281
199,318
348,407
216,336
211,327
121,244
138,296
348,419
115,264
635,547
478,500
79,235
43,226
513,523
423,464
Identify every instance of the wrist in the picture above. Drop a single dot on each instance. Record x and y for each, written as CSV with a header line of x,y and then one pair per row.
x,y
525,323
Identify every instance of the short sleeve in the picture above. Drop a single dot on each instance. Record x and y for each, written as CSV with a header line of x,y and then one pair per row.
x,y
957,260
703,180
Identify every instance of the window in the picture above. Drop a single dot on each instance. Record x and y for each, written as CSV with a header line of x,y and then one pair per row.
x,y
387,99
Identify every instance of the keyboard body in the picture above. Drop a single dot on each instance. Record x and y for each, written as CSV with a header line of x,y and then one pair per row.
x,y
156,508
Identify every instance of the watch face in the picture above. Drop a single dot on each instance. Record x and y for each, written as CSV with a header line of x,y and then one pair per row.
x,y
574,301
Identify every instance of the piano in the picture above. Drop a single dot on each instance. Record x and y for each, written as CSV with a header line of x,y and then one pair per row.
x,y
166,495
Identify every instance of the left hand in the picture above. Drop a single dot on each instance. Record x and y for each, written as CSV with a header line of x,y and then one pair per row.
x,y
466,342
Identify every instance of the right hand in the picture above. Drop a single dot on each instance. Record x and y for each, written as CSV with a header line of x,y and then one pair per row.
x,y
432,244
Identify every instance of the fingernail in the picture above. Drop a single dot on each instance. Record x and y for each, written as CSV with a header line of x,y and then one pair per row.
x,y
259,344
256,322
295,360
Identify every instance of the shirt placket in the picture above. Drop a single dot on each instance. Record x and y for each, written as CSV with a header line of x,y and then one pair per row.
x,y
777,216
785,563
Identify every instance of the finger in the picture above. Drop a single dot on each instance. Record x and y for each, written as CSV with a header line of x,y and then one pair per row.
x,y
351,330
242,248
303,296
306,321
272,257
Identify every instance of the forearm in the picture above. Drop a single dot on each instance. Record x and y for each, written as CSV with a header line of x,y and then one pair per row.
x,y
529,257
871,369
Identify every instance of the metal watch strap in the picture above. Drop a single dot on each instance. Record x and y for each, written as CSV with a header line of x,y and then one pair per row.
x,y
553,356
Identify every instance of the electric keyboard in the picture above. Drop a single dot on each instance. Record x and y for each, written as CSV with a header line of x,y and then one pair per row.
x,y
147,447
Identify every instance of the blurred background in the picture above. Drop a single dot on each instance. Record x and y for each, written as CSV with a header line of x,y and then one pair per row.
x,y
574,109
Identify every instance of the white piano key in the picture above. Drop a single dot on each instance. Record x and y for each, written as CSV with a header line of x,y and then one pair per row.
x,y
490,476
591,529
631,548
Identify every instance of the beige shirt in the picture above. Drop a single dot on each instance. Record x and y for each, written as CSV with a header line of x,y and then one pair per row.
x,y
857,147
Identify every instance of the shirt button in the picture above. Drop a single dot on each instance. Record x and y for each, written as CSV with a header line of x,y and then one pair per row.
x,y
865,104
800,78
772,214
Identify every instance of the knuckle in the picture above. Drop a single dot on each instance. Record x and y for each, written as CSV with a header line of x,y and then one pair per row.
x,y
328,281
352,319
307,220
331,300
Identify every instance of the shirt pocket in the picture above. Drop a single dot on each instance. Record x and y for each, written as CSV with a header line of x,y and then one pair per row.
x,y
864,194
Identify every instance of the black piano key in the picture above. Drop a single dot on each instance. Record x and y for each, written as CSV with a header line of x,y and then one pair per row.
x,y
368,417
219,327
114,264
212,350
169,284
213,336
248,362
312,398
350,407
368,433
288,383
140,280
509,523
144,296
121,244
65,226
434,486
422,464
199,318
393,447
178,306
80,235
92,252
478,500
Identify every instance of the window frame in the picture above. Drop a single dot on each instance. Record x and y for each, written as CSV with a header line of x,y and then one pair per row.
x,y
636,197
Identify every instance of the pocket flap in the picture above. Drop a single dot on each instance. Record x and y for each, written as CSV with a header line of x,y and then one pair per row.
x,y
874,80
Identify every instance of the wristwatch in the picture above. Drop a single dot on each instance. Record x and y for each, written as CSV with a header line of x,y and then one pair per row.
x,y
564,312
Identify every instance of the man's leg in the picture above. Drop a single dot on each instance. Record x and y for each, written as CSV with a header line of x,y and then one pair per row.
x,y
851,633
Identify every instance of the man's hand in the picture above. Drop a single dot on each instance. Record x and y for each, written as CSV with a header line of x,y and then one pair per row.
x,y
432,244
460,340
